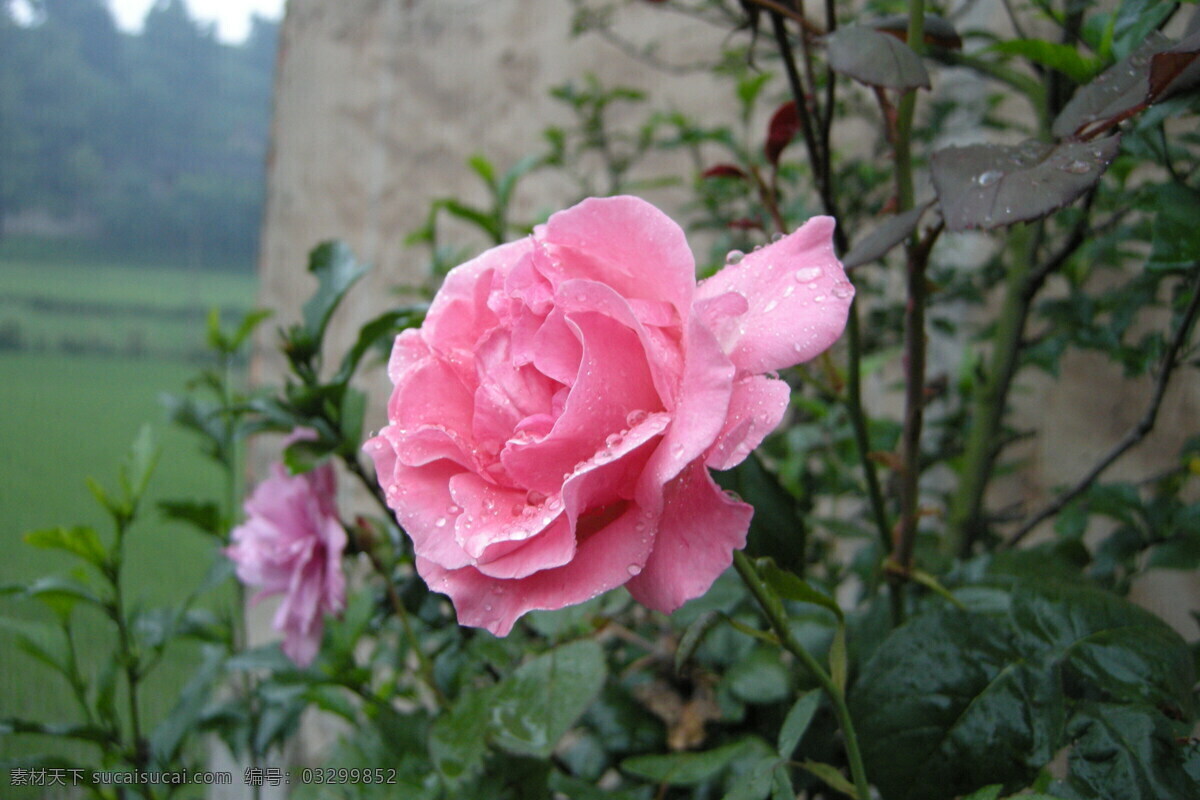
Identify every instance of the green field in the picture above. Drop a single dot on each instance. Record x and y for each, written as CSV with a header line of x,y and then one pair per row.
x,y
71,413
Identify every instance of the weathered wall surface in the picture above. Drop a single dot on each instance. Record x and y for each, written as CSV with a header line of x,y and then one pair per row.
x,y
379,103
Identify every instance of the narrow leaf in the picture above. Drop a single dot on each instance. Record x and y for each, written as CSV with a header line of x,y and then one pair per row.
x,y
336,271
797,721
784,125
831,776
80,540
1062,57
792,587
882,239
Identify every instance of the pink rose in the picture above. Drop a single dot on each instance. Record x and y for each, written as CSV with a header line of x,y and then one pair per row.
x,y
291,544
554,419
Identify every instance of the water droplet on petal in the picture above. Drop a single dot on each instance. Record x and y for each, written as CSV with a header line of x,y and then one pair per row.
x,y
819,298
843,291
453,509
734,256
775,237
771,306
635,417
440,522
789,291
808,274
535,498
634,569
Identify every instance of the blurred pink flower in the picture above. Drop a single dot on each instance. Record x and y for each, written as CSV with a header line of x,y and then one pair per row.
x,y
291,544
554,419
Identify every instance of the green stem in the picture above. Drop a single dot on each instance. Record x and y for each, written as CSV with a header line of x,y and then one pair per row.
x,y
990,397
140,756
772,608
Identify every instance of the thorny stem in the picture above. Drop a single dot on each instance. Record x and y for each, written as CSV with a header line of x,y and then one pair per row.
x,y
772,608
1138,432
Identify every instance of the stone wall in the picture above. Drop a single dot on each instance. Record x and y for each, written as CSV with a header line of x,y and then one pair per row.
x,y
380,102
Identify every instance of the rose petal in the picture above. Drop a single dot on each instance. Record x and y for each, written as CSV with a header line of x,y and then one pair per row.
x,y
602,561
697,420
626,243
797,297
698,531
756,407
506,393
459,313
609,386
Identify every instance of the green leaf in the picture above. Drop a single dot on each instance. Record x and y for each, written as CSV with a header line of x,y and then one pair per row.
x,y
41,641
682,769
543,698
986,793
792,587
204,515
61,594
85,733
754,783
80,540
947,704
831,776
336,271
305,455
1062,57
139,464
381,329
797,721
483,168
169,736
250,321
1126,752
1176,236
456,745
1106,644
759,677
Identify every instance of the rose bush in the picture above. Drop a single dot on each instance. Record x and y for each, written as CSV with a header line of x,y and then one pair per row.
x,y
554,420
291,544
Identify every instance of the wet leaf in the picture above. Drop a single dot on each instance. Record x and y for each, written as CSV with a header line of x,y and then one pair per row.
x,y
1126,752
1153,72
988,185
542,699
881,240
875,59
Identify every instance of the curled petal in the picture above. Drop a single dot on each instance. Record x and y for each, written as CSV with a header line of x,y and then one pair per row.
x,y
797,299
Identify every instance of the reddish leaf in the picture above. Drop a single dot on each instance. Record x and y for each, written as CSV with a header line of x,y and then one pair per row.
x,y
1152,73
1174,70
785,123
987,185
723,171
875,59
